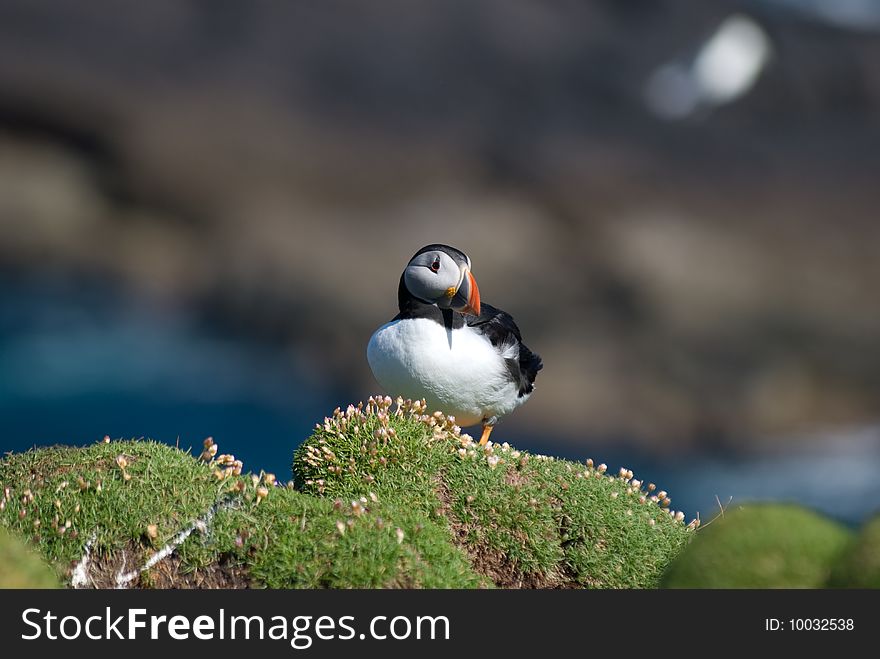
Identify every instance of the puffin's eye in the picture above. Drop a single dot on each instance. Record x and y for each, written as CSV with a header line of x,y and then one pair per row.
x,y
435,266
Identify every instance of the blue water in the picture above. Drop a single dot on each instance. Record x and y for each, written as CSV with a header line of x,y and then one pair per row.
x,y
80,360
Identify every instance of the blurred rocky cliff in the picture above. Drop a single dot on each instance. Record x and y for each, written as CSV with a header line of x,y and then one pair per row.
x,y
690,274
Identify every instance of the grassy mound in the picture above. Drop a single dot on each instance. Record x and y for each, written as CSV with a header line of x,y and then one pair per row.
x,y
383,496
520,519
761,546
860,566
22,567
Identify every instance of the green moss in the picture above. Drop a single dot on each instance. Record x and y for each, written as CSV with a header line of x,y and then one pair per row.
x,y
860,566
385,497
22,567
761,546
61,495
294,540
520,519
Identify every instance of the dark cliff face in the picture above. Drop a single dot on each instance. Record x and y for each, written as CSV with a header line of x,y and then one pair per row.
x,y
272,166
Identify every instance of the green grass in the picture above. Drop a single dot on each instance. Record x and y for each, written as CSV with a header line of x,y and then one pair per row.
x,y
521,519
762,546
384,496
61,495
22,567
860,566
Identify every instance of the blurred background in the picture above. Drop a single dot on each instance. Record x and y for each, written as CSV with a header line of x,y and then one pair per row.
x,y
205,207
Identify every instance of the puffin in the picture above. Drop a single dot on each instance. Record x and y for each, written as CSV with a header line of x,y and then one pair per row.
x,y
462,356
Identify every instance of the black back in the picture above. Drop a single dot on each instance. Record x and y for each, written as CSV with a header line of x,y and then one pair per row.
x,y
501,330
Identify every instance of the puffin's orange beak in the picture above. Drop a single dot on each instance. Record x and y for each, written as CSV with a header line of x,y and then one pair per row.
x,y
467,297
473,303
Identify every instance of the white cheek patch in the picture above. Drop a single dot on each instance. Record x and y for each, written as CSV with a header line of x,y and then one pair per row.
x,y
423,283
428,285
448,267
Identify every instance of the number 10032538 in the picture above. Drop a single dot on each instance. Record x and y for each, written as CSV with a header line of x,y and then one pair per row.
x,y
809,624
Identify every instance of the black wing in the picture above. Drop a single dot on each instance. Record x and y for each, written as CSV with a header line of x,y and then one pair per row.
x,y
501,330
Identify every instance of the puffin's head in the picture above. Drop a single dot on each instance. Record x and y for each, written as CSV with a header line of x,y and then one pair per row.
x,y
441,275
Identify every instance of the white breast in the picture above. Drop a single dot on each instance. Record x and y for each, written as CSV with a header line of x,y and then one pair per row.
x,y
457,371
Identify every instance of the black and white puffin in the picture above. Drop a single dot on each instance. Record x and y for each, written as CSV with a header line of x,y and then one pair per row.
x,y
462,356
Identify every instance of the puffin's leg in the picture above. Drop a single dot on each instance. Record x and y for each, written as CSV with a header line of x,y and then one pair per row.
x,y
488,425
